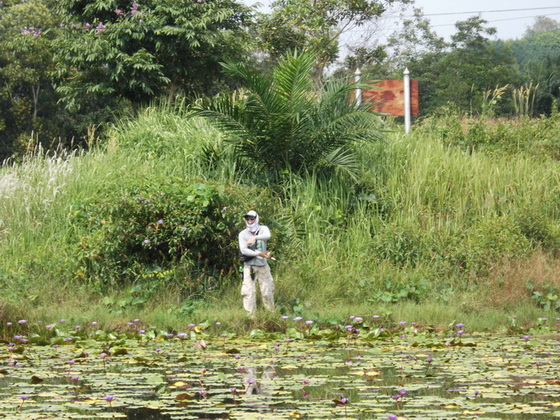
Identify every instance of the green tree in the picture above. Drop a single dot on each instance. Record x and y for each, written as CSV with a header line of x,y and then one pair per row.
x,y
542,24
414,41
372,62
415,45
285,123
30,109
315,25
472,66
546,75
537,47
538,55
138,51
27,98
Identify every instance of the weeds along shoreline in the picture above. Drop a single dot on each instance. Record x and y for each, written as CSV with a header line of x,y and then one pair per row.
x,y
158,324
364,321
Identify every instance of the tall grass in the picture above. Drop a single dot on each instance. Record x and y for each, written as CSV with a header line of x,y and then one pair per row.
x,y
524,99
329,233
184,146
443,185
40,195
425,218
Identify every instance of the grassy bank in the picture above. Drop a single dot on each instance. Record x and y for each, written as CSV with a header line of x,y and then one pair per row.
x,y
431,232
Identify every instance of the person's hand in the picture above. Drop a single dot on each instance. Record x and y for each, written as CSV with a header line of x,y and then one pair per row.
x,y
264,254
251,240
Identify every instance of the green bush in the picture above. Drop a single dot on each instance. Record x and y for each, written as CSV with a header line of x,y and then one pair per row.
x,y
538,229
537,137
402,245
546,296
490,240
471,251
416,288
177,228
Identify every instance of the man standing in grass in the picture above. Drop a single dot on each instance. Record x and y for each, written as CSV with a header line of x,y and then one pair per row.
x,y
252,245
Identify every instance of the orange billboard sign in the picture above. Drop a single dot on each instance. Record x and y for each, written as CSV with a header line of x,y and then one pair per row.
x,y
388,97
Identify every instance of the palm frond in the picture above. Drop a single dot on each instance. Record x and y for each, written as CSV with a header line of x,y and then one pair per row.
x,y
293,76
226,113
342,160
288,123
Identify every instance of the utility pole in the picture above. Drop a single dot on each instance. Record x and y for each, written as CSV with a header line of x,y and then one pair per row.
x,y
406,100
357,76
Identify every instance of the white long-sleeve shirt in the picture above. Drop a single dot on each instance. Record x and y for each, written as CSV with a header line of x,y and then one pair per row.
x,y
262,237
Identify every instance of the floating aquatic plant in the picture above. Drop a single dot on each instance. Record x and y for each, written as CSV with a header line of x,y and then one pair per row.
x,y
423,375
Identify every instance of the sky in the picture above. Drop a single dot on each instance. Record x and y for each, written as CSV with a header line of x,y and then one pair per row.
x,y
510,17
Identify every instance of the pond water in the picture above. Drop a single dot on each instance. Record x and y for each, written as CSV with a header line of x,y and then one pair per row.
x,y
427,376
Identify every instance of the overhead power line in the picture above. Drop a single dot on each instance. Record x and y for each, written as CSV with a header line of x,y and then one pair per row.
x,y
491,11
499,20
453,24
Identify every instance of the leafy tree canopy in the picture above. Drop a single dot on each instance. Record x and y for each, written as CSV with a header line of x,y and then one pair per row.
x,y
140,50
26,94
461,74
541,25
536,47
414,41
315,26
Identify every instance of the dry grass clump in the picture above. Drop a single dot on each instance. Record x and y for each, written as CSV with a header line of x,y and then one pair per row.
x,y
9,313
512,282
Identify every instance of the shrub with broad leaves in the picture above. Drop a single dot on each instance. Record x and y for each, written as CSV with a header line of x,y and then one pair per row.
x,y
189,229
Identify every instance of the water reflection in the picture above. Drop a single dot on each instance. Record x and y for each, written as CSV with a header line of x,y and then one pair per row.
x,y
258,380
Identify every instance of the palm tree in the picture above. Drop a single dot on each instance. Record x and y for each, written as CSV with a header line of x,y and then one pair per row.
x,y
285,123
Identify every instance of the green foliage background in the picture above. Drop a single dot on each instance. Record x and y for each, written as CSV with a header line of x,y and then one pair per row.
x,y
427,222
462,214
